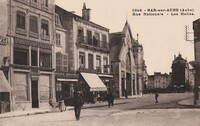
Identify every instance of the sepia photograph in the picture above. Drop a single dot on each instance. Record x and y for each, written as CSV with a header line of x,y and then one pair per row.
x,y
99,63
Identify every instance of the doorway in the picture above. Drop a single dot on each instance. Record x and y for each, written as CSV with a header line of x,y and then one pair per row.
x,y
34,94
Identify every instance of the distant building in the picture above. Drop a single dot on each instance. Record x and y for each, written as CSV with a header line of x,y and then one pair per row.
x,y
180,74
128,66
158,81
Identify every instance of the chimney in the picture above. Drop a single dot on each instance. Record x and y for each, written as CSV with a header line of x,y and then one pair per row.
x,y
85,12
174,56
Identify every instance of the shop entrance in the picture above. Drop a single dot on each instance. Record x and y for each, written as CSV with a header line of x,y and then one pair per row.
x,y
34,94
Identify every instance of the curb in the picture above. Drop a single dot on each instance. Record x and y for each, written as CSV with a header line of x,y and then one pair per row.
x,y
98,106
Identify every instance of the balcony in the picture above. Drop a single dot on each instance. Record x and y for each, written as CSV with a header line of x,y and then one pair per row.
x,y
21,31
45,37
33,34
83,41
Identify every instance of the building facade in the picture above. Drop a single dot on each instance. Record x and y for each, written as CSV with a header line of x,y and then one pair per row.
x,y
180,74
127,62
159,82
88,52
28,53
196,63
65,80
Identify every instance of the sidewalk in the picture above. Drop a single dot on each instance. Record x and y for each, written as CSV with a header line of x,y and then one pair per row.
x,y
190,103
48,110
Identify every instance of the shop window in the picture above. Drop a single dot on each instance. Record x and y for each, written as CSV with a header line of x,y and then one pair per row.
x,y
21,56
45,59
21,20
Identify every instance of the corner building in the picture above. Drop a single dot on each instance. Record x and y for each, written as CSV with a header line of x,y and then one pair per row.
x,y
87,45
27,55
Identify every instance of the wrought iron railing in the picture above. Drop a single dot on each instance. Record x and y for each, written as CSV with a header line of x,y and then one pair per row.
x,y
85,41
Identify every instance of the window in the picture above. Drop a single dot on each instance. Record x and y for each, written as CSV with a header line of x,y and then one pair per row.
x,y
58,61
105,64
80,35
104,38
104,41
45,28
21,20
45,59
45,3
57,20
96,39
89,37
81,60
33,24
65,62
58,86
21,56
34,58
90,61
58,41
98,63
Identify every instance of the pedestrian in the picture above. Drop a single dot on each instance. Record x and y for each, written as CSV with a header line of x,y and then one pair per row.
x,y
110,99
126,93
78,103
156,96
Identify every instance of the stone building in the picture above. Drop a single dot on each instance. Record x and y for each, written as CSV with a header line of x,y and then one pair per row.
x,y
128,66
64,79
26,57
180,74
159,81
196,63
87,46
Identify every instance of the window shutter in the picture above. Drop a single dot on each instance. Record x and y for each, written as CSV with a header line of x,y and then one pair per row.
x,y
58,61
65,62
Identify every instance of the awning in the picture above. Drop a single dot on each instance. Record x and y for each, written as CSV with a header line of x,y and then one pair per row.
x,y
105,75
94,82
4,85
62,79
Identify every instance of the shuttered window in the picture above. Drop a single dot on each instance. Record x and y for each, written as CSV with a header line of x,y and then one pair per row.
x,y
61,62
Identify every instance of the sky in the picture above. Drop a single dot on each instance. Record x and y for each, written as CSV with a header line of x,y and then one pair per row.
x,y
162,37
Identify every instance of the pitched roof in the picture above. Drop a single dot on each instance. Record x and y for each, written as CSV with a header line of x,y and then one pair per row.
x,y
65,15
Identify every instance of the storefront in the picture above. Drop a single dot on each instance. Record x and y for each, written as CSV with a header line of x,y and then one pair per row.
x,y
5,93
92,87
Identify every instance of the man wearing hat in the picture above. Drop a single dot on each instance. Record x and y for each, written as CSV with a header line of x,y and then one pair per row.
x,y
78,102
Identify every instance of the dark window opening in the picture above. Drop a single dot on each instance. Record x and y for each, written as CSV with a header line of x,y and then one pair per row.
x,y
21,56
34,58
90,61
89,37
21,21
33,24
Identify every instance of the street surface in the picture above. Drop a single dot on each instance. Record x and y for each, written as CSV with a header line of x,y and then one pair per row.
x,y
142,111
